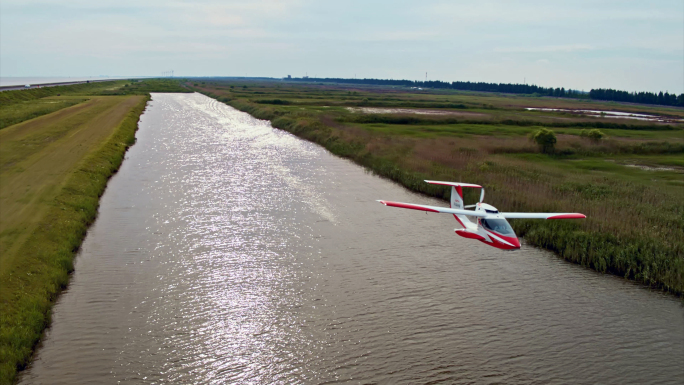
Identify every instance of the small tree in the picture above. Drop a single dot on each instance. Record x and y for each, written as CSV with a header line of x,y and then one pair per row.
x,y
546,139
595,135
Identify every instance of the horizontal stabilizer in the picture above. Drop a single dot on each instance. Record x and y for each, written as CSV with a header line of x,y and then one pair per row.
x,y
455,184
543,215
433,209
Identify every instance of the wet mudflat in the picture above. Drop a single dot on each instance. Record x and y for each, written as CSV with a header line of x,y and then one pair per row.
x,y
230,252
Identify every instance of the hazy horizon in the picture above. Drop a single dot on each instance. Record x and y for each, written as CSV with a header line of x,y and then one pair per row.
x,y
624,45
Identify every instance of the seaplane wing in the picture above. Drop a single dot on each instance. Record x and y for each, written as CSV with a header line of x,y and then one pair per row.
x,y
433,209
543,215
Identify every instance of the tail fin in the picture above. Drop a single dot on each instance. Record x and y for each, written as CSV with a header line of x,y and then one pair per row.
x,y
457,192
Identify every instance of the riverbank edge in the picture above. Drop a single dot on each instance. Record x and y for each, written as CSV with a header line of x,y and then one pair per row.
x,y
50,250
603,253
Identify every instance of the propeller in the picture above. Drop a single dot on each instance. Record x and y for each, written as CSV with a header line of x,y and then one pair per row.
x,y
475,205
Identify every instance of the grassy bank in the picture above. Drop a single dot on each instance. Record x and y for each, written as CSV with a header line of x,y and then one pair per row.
x,y
38,249
114,87
20,105
630,184
58,148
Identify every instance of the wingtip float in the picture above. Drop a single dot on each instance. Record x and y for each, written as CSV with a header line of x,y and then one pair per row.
x,y
489,226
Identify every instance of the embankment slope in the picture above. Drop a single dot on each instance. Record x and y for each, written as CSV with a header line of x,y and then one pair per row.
x,y
53,169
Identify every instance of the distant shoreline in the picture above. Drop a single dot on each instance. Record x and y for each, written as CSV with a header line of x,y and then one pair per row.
x,y
38,85
17,83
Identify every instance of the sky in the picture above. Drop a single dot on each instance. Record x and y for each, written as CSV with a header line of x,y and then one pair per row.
x,y
628,45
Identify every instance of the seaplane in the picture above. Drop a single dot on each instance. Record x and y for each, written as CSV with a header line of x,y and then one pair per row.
x,y
489,226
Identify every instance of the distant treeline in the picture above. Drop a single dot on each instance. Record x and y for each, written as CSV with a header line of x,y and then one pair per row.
x,y
665,99
598,94
465,86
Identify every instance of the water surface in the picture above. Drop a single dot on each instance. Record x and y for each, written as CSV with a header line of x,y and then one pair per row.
x,y
613,114
226,251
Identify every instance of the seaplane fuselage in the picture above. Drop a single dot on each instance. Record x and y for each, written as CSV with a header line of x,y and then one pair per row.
x,y
485,223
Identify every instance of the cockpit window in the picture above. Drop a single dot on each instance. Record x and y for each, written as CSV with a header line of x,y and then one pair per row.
x,y
497,225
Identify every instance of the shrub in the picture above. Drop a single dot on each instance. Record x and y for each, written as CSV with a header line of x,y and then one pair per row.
x,y
594,135
546,139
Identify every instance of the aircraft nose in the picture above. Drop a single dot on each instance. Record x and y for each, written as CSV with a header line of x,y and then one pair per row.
x,y
515,242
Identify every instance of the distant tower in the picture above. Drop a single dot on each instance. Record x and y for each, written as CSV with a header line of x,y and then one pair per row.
x,y
426,77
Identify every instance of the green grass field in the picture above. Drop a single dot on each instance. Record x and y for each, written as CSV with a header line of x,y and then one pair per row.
x,y
630,183
19,112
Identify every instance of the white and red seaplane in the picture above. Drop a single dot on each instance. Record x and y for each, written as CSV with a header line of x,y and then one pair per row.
x,y
490,226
